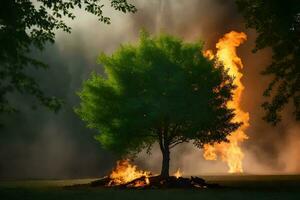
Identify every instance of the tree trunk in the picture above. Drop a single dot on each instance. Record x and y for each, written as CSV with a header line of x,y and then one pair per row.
x,y
165,163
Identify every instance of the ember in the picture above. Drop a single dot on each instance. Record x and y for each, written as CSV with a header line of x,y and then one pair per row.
x,y
178,173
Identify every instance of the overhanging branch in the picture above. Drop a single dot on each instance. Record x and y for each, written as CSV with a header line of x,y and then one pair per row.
x,y
177,142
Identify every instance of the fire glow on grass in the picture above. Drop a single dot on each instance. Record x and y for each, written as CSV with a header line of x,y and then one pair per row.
x,y
231,152
125,172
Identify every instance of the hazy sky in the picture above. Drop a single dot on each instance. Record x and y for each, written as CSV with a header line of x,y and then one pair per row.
x,y
39,144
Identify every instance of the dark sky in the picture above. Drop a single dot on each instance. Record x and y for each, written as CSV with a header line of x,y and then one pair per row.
x,y
40,144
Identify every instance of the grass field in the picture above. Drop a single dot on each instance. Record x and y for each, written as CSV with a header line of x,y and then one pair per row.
x,y
235,187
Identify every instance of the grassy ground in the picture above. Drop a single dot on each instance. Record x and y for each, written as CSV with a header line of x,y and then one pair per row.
x,y
236,187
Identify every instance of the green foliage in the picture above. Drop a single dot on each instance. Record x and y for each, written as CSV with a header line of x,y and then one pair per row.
x,y
160,90
278,26
26,25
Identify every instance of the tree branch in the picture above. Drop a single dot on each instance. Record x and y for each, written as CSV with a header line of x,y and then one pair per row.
x,y
176,143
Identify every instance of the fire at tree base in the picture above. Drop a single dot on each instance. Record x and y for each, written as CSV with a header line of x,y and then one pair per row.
x,y
127,176
156,182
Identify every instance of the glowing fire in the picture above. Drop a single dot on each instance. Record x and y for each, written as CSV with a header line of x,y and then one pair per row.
x,y
125,172
209,54
231,152
178,173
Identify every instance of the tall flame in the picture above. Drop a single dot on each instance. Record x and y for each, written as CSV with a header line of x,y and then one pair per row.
x,y
125,172
231,152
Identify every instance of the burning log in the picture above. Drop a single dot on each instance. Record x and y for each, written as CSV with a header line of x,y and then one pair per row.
x,y
126,175
156,182
136,183
197,180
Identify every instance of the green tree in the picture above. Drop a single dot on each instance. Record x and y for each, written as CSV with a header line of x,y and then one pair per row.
x,y
161,90
31,24
278,26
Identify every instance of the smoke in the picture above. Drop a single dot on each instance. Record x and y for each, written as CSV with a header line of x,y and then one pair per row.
x,y
39,144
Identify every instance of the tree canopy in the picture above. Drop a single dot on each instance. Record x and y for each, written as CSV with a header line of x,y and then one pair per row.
x,y
278,26
161,90
26,25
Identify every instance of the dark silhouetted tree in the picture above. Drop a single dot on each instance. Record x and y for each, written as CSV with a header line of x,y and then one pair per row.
x,y
162,90
26,25
278,26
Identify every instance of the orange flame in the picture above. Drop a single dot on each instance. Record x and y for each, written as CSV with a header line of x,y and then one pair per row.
x,y
209,54
178,173
231,152
124,173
